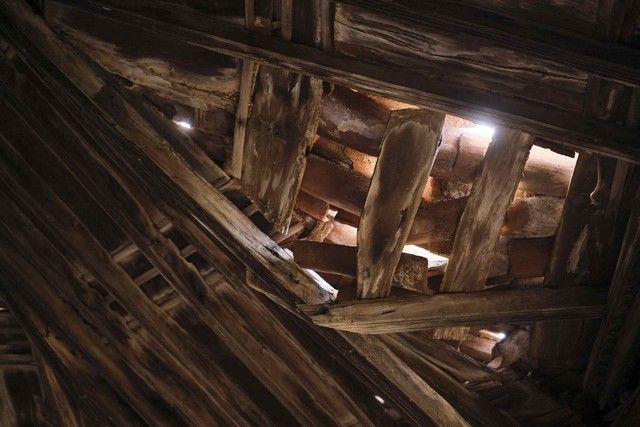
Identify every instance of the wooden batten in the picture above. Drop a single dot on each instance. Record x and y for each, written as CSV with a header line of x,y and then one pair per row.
x,y
411,140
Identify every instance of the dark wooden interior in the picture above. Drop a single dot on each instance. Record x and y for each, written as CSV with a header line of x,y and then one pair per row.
x,y
319,212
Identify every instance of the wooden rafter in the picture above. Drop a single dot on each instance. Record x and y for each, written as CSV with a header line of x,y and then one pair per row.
x,y
571,129
481,308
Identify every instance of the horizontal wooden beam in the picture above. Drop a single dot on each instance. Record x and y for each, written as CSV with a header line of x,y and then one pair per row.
x,y
406,314
609,61
571,129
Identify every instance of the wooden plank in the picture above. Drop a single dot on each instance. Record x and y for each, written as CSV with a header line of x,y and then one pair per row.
x,y
200,208
411,273
610,367
410,142
271,368
544,43
280,131
479,227
480,308
247,81
571,129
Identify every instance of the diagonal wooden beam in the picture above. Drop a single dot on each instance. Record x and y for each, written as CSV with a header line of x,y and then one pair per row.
x,y
404,314
408,150
608,367
134,138
178,386
480,224
411,273
79,158
396,82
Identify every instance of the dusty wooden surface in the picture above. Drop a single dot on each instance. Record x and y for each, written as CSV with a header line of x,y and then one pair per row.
x,y
411,140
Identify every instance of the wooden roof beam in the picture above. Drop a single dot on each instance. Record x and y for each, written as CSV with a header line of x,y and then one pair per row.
x,y
605,60
204,208
571,129
481,308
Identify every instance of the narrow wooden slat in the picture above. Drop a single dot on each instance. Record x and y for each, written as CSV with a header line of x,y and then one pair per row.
x,y
247,81
481,308
57,398
409,143
484,214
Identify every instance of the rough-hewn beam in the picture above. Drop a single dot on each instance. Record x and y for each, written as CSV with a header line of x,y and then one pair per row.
x,y
483,216
411,273
410,142
605,60
421,89
81,159
608,367
459,309
197,205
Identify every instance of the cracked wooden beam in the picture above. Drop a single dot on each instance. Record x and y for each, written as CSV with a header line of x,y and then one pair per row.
x,y
481,308
480,224
411,140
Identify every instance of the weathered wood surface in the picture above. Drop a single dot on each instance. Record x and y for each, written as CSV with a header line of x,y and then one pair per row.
x,y
411,273
411,140
439,371
193,205
483,216
397,82
480,308
392,35
279,375
535,46
247,81
434,221
77,244
281,129
280,132
57,399
591,230
618,341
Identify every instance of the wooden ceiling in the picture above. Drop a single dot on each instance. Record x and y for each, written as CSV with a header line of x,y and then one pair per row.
x,y
228,213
